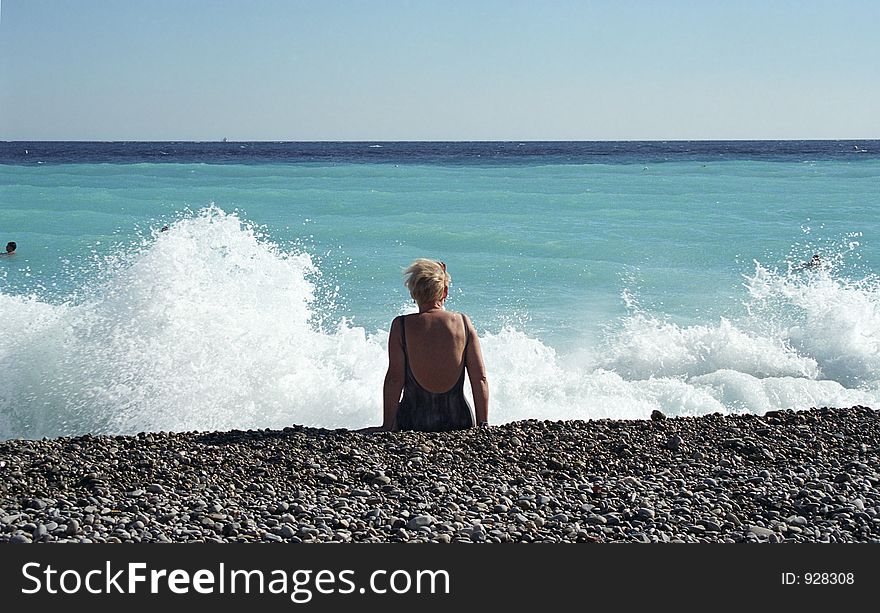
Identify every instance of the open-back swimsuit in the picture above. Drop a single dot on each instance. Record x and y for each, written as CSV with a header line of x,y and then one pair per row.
x,y
420,409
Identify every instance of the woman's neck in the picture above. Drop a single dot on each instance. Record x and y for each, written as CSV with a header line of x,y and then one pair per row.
x,y
428,307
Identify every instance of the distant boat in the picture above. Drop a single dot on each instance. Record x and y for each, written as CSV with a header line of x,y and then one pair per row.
x,y
224,139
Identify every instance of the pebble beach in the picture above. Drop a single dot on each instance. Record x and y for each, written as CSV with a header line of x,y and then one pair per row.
x,y
805,476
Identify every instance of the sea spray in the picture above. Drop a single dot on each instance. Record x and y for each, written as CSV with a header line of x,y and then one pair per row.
x,y
207,327
824,315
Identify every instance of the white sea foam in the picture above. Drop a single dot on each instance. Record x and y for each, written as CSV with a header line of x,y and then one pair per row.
x,y
835,321
812,338
211,326
647,347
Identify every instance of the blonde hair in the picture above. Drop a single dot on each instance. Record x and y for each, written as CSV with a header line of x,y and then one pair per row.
x,y
426,280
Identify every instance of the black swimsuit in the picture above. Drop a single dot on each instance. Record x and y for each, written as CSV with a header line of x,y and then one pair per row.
x,y
420,409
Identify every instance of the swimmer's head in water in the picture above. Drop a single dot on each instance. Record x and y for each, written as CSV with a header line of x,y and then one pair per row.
x,y
426,280
10,246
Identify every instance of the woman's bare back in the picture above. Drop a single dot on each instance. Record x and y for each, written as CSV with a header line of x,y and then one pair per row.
x,y
435,343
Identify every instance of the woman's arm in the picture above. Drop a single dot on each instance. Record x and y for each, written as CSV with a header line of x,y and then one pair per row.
x,y
394,378
477,375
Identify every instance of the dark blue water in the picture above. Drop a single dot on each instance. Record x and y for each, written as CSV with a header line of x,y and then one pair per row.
x,y
443,153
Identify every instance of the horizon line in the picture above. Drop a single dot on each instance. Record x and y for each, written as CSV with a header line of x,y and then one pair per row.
x,y
623,140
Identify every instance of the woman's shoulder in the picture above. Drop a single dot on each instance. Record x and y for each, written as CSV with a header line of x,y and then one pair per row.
x,y
468,324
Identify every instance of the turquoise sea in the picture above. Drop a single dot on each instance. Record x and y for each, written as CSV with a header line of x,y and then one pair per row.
x,y
605,279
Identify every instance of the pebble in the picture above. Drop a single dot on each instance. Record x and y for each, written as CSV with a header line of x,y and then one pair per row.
x,y
760,531
231,529
644,513
419,521
673,442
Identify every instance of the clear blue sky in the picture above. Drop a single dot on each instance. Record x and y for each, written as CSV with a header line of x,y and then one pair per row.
x,y
438,70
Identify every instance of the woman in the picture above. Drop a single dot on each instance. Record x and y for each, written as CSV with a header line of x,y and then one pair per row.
x,y
428,354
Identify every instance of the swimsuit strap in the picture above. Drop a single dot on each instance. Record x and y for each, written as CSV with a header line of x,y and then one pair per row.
x,y
467,340
402,319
